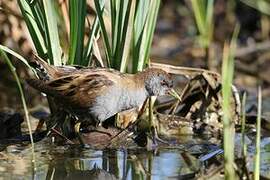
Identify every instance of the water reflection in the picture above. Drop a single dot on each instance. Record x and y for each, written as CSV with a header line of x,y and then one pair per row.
x,y
71,162
76,163
120,165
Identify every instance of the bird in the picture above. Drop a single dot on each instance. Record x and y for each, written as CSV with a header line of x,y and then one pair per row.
x,y
96,94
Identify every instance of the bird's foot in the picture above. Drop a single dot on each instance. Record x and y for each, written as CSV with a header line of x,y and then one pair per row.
x,y
156,138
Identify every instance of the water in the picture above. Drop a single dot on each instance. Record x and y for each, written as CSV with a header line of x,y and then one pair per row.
x,y
180,160
67,162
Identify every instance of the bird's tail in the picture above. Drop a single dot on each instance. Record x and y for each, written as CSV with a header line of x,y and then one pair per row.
x,y
41,86
44,70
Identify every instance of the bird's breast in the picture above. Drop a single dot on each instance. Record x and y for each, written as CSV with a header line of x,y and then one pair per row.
x,y
131,98
115,100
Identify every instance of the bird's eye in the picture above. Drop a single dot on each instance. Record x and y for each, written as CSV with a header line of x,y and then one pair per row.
x,y
163,83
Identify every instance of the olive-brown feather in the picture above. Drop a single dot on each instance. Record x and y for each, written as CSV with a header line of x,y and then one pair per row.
x,y
78,89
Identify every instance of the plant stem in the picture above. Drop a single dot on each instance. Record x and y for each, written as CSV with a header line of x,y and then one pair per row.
x,y
258,137
13,71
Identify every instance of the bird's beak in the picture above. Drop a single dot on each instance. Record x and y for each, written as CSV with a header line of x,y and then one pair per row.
x,y
173,93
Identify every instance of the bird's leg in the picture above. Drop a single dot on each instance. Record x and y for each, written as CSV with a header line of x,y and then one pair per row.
x,y
143,108
98,124
152,123
77,131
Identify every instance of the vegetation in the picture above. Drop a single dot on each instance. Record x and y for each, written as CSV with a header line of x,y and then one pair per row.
x,y
13,71
204,16
258,137
120,36
127,37
132,25
228,122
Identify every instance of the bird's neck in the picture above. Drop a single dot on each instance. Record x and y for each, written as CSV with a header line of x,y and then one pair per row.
x,y
134,94
132,98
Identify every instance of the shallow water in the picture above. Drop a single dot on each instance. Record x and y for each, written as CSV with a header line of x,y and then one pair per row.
x,y
181,160
73,162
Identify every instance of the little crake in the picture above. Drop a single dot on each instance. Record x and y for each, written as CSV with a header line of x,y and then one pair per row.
x,y
99,93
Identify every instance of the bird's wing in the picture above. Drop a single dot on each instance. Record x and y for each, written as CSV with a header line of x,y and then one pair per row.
x,y
77,89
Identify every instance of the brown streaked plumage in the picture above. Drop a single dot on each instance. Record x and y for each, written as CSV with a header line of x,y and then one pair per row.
x,y
98,93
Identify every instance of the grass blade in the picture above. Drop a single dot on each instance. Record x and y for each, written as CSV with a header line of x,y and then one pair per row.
x,y
151,24
33,28
54,48
141,14
140,18
228,124
77,10
116,52
100,9
258,137
123,38
199,13
116,12
243,126
38,14
113,20
261,5
89,47
6,49
203,12
148,33
127,37
209,22
96,52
